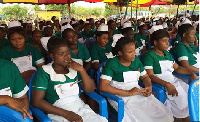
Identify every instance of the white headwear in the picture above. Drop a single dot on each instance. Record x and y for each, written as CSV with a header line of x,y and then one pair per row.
x,y
29,22
109,18
123,21
44,41
155,28
177,24
142,23
126,25
116,37
45,27
184,20
73,22
65,27
103,27
64,21
165,25
87,22
14,24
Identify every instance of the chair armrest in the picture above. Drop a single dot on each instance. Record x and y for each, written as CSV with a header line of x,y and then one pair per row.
x,y
120,102
159,86
40,115
181,75
7,114
103,110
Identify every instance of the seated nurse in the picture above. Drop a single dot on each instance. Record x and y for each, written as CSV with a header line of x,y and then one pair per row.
x,y
26,57
56,87
13,89
185,52
120,77
159,65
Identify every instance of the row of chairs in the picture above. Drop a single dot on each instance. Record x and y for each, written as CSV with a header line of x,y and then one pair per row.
x,y
158,90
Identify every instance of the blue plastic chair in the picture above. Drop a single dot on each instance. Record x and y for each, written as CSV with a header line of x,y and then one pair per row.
x,y
42,117
184,76
120,101
9,115
193,101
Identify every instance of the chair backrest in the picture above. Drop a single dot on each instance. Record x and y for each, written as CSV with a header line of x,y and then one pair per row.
x,y
99,72
30,85
193,100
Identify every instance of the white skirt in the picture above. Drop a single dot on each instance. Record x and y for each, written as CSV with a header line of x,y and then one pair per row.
x,y
80,108
176,109
138,108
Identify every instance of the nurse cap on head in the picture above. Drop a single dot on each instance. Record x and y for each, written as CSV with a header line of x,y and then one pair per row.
x,y
127,25
164,25
116,37
124,21
155,28
14,24
65,27
184,20
142,23
44,41
103,27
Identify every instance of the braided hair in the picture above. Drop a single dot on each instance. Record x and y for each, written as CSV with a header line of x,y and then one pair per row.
x,y
54,43
120,45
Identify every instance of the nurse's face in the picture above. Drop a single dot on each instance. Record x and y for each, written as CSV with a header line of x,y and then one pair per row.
x,y
103,40
71,37
61,56
128,52
162,44
190,35
17,41
130,34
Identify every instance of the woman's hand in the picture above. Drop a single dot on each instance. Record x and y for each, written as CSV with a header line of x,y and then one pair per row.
x,y
134,91
147,91
75,66
73,117
171,89
193,77
18,106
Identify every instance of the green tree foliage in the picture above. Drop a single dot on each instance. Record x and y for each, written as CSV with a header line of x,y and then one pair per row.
x,y
110,10
62,8
15,11
36,8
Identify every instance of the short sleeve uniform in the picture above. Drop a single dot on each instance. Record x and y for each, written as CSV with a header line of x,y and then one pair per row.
x,y
11,81
5,42
44,81
184,52
98,54
150,60
113,69
8,53
83,53
139,39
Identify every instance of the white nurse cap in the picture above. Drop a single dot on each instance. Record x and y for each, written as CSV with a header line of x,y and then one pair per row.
x,y
155,28
116,37
14,24
103,27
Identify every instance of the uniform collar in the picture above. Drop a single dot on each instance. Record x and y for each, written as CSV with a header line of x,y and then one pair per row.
x,y
58,77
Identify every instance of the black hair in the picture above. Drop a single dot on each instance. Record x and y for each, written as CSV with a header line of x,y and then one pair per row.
x,y
20,30
109,22
81,22
125,30
2,29
120,45
99,33
140,27
35,31
75,25
54,43
183,29
66,31
47,27
156,35
197,29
